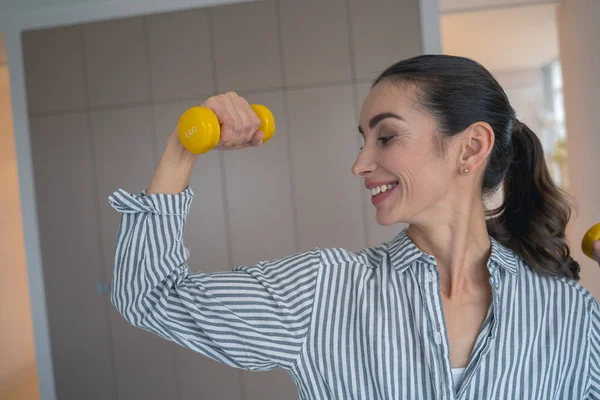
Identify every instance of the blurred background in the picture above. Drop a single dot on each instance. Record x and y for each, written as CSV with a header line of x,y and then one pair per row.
x,y
102,95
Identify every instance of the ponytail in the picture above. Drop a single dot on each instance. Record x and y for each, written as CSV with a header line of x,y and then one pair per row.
x,y
533,218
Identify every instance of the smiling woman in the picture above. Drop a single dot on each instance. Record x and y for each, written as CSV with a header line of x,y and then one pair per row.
x,y
456,305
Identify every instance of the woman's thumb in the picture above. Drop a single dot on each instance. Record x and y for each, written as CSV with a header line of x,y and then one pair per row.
x,y
596,247
257,138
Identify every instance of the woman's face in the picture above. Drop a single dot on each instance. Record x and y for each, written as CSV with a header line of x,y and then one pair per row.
x,y
400,149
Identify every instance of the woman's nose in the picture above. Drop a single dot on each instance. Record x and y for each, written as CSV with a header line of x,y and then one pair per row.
x,y
364,164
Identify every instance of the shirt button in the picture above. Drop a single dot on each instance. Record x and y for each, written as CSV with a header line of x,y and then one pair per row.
x,y
438,338
494,283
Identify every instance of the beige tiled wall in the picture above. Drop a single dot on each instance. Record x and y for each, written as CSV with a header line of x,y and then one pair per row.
x,y
104,97
54,70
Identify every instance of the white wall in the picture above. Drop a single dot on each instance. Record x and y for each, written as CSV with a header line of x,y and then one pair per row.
x,y
504,39
513,44
460,6
578,31
525,90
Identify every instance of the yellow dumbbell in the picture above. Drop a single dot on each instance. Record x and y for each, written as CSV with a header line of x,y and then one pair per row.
x,y
200,130
587,244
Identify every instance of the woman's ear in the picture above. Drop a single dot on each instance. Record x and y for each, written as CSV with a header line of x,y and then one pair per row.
x,y
476,144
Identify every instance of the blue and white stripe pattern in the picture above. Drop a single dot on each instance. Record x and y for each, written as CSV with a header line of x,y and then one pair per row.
x,y
347,325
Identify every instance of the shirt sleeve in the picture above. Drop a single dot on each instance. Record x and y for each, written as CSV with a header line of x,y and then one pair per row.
x,y
593,392
253,317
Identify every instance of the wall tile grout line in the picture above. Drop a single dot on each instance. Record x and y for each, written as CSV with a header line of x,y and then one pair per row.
x,y
154,140
150,88
96,194
221,154
222,164
109,107
286,115
356,108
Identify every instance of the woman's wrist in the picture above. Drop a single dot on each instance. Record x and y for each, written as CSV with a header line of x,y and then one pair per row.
x,y
174,169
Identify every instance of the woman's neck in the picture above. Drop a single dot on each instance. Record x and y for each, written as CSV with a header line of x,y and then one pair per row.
x,y
457,237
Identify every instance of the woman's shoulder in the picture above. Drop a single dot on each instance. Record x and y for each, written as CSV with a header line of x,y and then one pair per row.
x,y
591,302
560,286
557,288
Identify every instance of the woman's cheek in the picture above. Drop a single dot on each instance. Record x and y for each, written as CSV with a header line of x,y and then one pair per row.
x,y
396,159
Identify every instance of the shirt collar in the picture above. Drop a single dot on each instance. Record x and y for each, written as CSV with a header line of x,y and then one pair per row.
x,y
403,251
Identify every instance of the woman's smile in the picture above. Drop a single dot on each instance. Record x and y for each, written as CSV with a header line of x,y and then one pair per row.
x,y
380,191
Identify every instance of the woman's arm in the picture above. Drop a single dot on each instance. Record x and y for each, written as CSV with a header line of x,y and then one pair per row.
x,y
254,317
174,169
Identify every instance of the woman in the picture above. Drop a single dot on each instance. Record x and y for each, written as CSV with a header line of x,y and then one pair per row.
x,y
463,303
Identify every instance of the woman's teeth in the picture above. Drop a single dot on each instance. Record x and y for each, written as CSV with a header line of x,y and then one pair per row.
x,y
383,188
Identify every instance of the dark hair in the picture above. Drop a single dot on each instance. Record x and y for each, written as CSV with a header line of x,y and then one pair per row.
x,y
533,216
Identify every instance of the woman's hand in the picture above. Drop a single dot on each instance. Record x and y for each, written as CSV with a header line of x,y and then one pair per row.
x,y
239,129
239,123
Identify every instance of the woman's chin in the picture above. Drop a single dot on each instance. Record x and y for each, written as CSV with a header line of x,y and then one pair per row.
x,y
385,218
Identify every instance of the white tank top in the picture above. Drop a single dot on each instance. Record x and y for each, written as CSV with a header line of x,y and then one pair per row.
x,y
457,374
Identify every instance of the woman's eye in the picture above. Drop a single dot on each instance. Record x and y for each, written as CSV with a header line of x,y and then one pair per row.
x,y
385,139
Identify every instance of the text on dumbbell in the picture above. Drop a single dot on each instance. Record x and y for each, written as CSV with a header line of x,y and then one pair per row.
x,y
190,132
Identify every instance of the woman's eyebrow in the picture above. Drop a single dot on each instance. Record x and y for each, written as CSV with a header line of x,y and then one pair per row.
x,y
378,118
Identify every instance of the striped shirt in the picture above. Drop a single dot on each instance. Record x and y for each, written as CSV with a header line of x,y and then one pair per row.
x,y
348,325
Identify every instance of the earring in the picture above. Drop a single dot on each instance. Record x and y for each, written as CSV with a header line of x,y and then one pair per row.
x,y
466,171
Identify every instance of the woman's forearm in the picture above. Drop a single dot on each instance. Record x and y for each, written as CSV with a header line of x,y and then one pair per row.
x,y
173,172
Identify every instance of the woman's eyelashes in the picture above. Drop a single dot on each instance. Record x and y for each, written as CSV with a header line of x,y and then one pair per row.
x,y
384,139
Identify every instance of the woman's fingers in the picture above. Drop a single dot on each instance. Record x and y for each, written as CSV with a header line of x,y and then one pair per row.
x,y
239,122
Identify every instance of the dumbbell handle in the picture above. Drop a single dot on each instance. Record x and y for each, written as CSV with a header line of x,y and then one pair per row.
x,y
587,243
200,130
